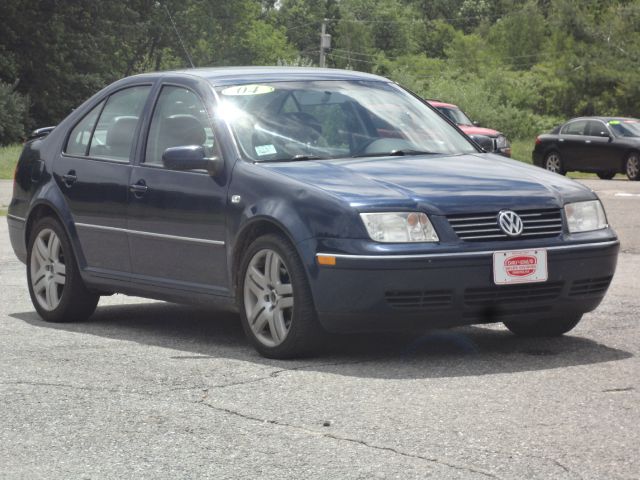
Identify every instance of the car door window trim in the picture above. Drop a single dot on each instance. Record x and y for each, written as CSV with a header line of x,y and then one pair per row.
x,y
151,234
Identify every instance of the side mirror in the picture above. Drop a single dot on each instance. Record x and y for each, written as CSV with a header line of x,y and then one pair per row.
x,y
190,157
605,135
486,143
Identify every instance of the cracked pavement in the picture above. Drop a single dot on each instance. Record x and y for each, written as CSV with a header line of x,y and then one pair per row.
x,y
155,390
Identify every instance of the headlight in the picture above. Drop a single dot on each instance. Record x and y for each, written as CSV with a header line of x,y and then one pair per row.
x,y
585,216
502,142
399,227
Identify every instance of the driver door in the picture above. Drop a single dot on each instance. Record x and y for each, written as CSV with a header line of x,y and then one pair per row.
x,y
176,219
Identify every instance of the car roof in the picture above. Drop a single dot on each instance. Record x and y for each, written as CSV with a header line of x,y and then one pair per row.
x,y
237,75
603,119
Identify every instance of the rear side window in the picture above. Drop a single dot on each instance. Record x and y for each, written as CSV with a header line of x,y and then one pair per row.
x,y
78,141
574,128
113,137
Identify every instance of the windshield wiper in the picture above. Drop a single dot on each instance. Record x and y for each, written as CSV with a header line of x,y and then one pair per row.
x,y
296,158
396,153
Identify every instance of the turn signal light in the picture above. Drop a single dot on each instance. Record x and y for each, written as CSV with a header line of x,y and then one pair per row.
x,y
329,260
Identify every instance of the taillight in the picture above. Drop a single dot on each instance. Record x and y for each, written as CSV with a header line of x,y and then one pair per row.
x,y
538,141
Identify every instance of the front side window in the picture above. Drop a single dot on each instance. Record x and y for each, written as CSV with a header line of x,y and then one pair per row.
x,y
596,128
113,137
78,141
179,119
315,119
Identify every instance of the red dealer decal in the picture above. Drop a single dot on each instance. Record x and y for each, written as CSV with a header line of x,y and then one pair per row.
x,y
520,265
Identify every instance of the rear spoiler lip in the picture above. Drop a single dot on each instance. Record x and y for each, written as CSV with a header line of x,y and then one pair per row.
x,y
40,133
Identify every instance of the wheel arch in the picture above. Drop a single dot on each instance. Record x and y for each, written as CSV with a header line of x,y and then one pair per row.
x,y
51,204
253,229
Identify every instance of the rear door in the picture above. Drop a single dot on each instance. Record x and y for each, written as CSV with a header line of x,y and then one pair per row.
x,y
93,174
176,219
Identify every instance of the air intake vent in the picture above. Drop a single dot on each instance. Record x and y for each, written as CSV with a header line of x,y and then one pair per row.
x,y
538,292
591,286
480,227
417,300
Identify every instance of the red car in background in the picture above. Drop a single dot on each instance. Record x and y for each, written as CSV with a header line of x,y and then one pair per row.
x,y
500,143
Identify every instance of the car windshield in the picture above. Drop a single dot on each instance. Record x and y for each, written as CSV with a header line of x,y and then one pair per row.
x,y
455,115
625,128
308,120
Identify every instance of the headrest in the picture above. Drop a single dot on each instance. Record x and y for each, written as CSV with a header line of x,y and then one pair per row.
x,y
179,130
121,132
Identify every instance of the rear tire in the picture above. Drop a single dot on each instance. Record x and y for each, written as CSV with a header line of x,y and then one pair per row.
x,y
553,163
546,327
55,285
632,166
606,175
276,306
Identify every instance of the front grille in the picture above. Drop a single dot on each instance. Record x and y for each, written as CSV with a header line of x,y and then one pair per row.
x,y
416,299
591,286
484,226
538,292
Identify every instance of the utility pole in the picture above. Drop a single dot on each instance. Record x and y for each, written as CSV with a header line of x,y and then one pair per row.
x,y
325,43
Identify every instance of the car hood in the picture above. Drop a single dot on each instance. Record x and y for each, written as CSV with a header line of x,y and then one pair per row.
x,y
473,130
438,184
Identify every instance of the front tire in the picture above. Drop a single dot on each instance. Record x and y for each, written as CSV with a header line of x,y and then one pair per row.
x,y
276,306
632,166
553,163
55,286
546,327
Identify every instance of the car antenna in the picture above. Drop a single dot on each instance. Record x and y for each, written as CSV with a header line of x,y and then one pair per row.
x,y
175,28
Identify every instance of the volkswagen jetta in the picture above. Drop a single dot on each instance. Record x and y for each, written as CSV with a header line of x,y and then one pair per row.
x,y
310,200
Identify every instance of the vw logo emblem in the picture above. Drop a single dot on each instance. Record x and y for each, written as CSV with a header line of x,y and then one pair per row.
x,y
510,223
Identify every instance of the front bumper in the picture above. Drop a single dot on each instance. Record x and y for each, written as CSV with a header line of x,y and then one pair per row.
x,y
409,292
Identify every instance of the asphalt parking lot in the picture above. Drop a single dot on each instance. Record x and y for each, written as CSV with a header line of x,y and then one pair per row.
x,y
155,390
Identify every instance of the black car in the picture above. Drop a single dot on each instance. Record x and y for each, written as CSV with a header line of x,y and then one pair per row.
x,y
311,200
601,145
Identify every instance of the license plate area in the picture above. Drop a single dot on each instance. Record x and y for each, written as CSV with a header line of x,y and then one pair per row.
x,y
520,266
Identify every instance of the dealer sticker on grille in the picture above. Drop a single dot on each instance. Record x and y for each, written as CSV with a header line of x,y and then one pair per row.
x,y
525,266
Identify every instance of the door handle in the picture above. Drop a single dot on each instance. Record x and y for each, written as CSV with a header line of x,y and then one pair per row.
x,y
587,141
69,178
561,139
139,188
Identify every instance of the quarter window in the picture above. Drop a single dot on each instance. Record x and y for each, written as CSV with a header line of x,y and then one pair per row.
x,y
179,119
78,141
113,137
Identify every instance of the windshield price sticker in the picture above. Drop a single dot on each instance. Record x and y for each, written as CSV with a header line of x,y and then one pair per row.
x,y
527,266
239,90
265,150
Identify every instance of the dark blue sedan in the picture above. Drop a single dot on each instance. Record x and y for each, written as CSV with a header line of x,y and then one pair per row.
x,y
310,200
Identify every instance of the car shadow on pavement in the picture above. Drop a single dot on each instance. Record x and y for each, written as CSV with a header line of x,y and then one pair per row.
x,y
466,351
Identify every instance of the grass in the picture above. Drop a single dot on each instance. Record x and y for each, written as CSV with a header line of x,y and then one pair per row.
x,y
8,158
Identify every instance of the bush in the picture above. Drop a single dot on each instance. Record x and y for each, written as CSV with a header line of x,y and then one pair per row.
x,y
13,115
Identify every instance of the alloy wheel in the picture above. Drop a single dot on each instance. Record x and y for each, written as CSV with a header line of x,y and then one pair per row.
x,y
553,163
48,270
633,166
268,297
